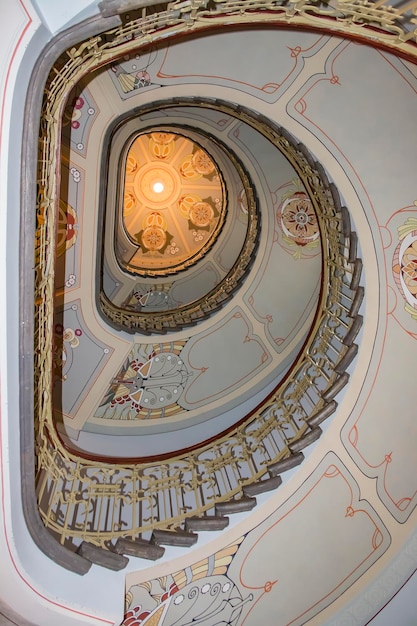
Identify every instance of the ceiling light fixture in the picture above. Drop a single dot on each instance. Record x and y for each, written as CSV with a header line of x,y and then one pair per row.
x,y
158,187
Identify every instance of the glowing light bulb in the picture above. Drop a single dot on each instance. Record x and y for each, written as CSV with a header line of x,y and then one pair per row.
x,y
158,187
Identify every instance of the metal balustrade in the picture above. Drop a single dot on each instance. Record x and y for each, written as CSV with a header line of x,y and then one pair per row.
x,y
100,503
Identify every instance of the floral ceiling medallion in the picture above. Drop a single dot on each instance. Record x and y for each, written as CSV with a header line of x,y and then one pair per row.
x,y
174,202
298,219
404,265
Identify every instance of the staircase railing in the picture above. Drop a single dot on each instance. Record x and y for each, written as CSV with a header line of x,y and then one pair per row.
x,y
83,500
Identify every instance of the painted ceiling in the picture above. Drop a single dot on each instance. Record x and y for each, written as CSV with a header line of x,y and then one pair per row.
x,y
337,540
173,205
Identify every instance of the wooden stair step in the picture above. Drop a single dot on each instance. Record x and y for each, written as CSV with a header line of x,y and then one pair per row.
x,y
180,538
322,414
357,301
353,247
235,506
356,276
353,330
286,464
101,556
262,486
337,386
311,436
140,548
346,359
207,522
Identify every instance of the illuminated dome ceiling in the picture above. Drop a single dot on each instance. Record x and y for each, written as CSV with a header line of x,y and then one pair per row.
x,y
174,202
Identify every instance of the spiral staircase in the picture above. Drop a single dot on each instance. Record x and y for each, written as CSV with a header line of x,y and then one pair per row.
x,y
215,272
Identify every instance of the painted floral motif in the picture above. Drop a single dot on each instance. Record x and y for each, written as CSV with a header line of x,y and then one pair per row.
x,y
79,114
154,237
131,164
173,248
163,138
404,265
66,339
297,220
129,202
409,268
187,169
202,163
72,115
150,299
71,280
69,218
197,165
130,82
186,202
137,615
67,228
200,594
76,175
148,385
132,73
198,235
162,145
201,214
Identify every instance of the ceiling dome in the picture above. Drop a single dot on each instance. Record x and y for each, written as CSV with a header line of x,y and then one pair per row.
x,y
174,202
174,255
